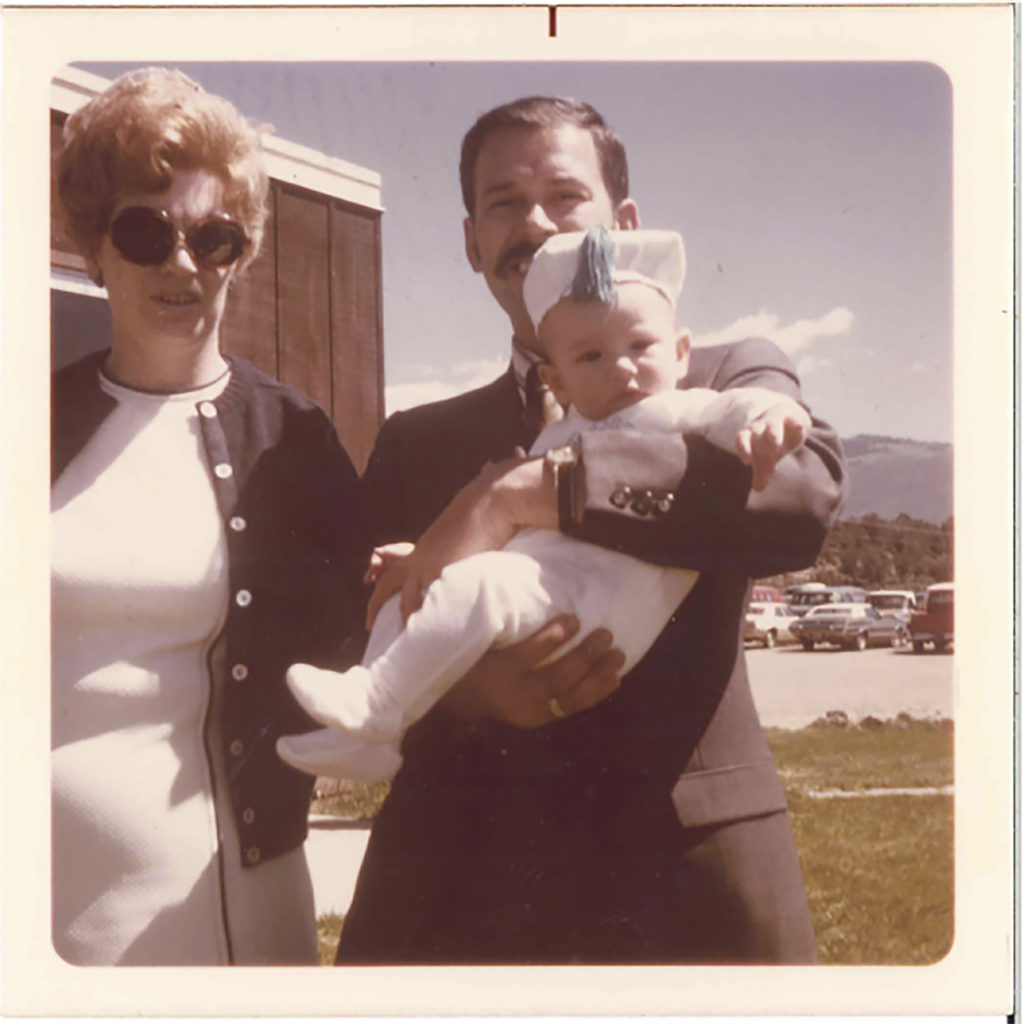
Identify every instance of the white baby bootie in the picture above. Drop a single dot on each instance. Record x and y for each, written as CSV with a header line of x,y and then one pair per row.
x,y
344,700
339,755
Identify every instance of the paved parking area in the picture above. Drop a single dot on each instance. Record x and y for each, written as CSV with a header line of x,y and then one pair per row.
x,y
334,855
793,687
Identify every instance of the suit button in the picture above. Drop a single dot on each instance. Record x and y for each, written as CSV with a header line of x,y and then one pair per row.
x,y
223,470
253,855
248,815
208,409
239,671
238,524
642,504
243,598
236,748
620,496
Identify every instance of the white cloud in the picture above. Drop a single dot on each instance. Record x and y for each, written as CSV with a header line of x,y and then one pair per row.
x,y
791,337
472,373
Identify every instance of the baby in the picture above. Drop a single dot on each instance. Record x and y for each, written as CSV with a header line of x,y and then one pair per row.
x,y
603,304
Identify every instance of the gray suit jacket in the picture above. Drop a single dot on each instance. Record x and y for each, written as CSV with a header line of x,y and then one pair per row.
x,y
611,836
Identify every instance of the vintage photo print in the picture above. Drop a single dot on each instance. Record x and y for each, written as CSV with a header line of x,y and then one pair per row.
x,y
841,181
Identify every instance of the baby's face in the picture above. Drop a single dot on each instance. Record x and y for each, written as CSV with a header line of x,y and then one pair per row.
x,y
603,358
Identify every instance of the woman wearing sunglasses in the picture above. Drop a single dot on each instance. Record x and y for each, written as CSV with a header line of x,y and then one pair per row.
x,y
207,532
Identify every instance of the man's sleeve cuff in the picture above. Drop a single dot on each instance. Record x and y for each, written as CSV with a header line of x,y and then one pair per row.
x,y
621,472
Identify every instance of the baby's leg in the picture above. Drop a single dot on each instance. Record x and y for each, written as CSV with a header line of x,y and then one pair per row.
x,y
490,598
339,755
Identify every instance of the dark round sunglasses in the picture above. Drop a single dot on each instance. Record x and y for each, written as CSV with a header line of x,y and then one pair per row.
x,y
148,237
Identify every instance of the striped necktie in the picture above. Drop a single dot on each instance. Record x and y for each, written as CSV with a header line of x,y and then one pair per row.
x,y
541,407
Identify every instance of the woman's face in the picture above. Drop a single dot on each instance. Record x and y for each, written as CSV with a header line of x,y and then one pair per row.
x,y
177,302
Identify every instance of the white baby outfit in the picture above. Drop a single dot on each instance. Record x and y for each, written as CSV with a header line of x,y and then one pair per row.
x,y
501,597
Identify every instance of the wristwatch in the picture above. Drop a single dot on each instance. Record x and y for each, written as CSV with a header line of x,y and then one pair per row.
x,y
565,466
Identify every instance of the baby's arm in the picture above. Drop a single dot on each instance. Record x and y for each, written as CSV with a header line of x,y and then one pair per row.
x,y
388,566
760,426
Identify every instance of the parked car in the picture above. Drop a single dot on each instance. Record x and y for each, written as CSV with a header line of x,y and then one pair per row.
x,y
899,603
935,622
853,626
761,592
769,623
811,595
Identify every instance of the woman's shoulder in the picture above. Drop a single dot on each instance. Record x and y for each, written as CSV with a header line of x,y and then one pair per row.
x,y
81,373
251,383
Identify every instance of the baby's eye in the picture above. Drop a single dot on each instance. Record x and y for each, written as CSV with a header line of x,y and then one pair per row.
x,y
641,344
591,356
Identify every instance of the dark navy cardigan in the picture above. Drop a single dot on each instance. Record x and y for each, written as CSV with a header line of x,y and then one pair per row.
x,y
297,543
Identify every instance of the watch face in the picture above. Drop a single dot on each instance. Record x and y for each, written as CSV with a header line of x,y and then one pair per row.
x,y
566,456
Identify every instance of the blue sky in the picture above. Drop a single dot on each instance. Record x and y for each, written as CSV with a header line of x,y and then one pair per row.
x,y
814,198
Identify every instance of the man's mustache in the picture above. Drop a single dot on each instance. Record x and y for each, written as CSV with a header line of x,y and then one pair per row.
x,y
520,251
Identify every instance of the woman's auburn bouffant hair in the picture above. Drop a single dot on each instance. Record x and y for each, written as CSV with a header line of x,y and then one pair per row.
x,y
133,137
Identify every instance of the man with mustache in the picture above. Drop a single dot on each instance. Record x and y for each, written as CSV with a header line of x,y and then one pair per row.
x,y
551,813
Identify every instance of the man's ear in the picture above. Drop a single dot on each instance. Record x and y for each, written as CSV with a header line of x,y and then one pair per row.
x,y
684,346
471,247
552,379
626,216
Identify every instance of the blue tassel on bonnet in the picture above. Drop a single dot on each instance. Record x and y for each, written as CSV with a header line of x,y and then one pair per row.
x,y
594,277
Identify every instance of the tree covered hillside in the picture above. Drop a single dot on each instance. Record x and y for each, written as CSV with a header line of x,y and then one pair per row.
x,y
874,553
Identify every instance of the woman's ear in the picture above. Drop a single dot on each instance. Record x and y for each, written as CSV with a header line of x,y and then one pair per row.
x,y
95,274
552,379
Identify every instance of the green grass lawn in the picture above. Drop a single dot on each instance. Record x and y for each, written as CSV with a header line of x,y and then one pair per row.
x,y
879,870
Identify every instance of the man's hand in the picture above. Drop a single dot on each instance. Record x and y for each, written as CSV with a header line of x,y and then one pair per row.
x,y
510,685
483,516
777,430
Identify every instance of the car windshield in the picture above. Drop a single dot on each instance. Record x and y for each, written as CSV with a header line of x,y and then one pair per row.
x,y
755,609
941,597
811,599
885,601
835,611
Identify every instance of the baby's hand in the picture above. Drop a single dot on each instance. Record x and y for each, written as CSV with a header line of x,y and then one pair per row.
x,y
777,427
387,567
386,557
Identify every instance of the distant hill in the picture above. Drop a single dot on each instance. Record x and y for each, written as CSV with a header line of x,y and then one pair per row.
x,y
893,475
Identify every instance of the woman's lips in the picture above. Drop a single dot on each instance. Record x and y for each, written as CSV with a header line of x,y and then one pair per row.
x,y
176,299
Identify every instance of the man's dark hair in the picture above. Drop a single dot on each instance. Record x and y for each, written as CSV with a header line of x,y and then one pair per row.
x,y
546,112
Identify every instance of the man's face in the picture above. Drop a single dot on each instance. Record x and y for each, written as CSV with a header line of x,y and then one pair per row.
x,y
603,357
531,183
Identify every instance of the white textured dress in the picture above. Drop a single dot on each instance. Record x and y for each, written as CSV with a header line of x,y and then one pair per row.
x,y
145,851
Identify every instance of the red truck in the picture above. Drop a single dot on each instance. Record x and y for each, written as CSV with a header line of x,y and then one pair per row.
x,y
935,623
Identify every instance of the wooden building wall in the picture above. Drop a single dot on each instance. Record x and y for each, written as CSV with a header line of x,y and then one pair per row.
x,y
308,310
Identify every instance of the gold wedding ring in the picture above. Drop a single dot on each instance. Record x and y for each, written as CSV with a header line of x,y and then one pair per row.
x,y
555,708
